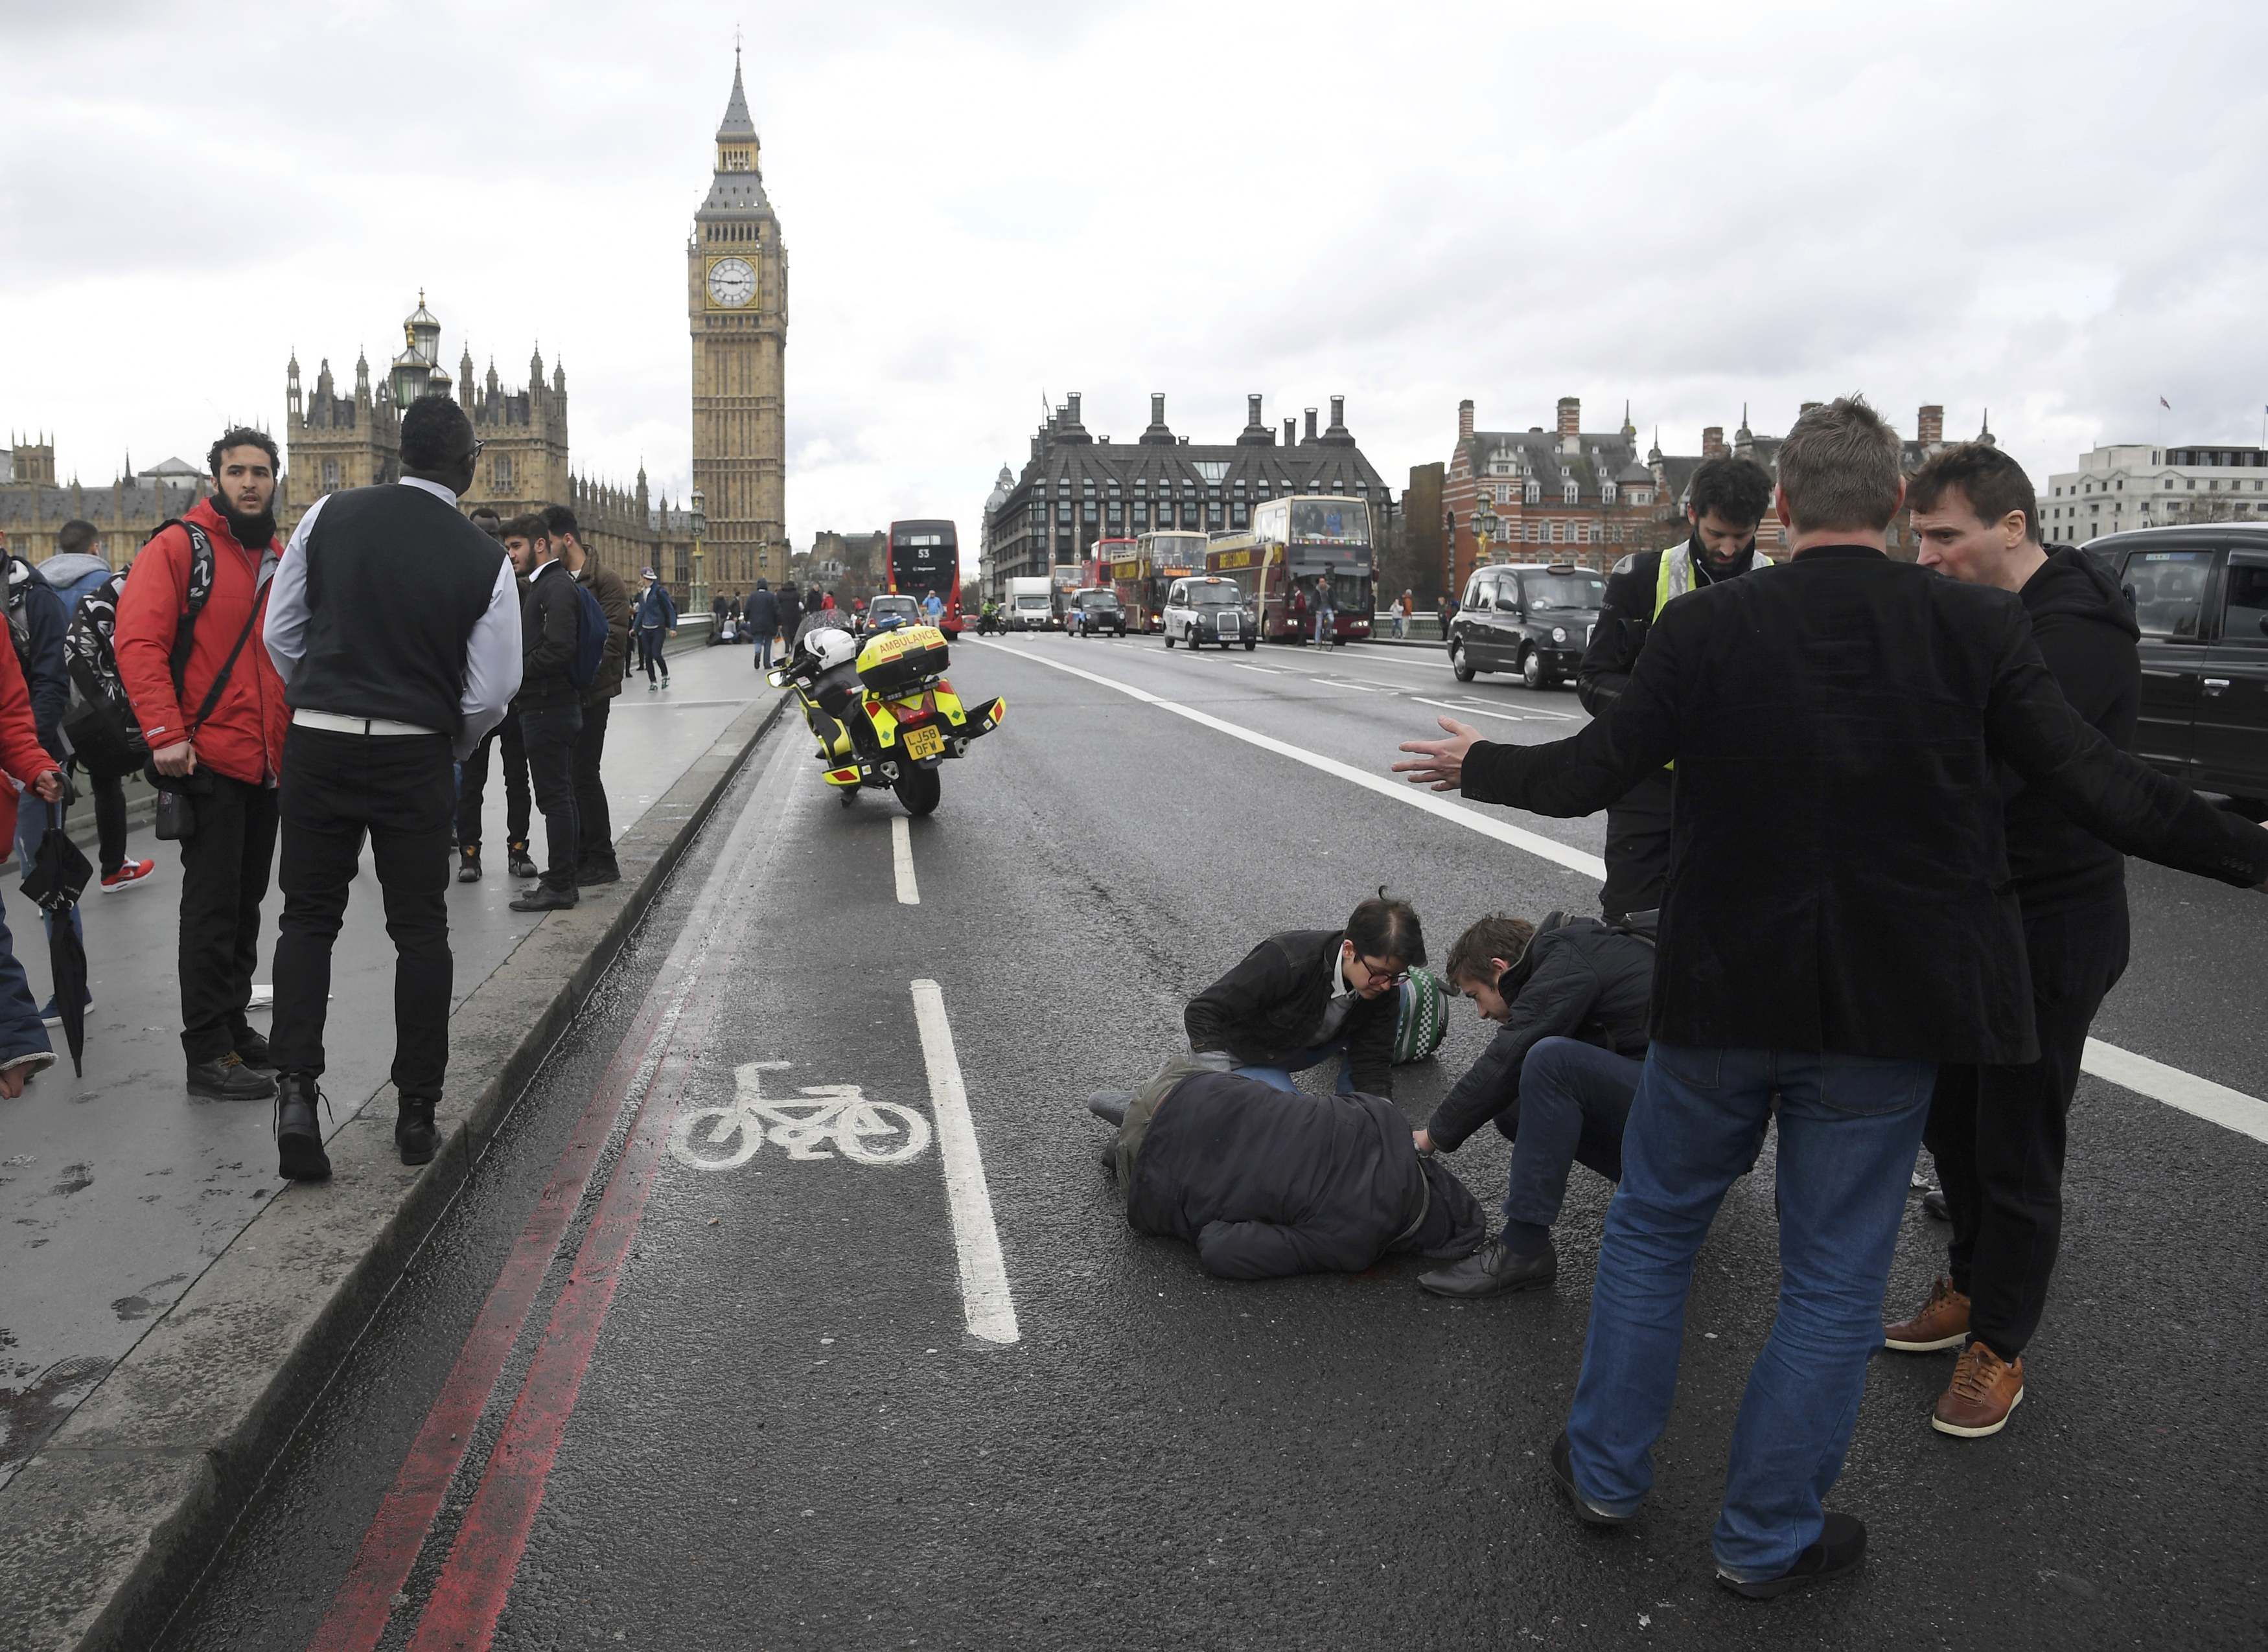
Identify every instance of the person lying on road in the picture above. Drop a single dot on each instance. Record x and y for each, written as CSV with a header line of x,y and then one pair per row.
x,y
1267,1183
1303,997
1571,995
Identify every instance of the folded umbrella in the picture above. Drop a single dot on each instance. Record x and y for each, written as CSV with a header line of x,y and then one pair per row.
x,y
59,872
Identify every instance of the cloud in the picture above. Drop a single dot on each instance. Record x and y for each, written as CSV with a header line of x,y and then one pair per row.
x,y
2043,208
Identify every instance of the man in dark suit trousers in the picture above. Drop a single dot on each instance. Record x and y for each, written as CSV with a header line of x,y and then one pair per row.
x,y
1839,920
394,624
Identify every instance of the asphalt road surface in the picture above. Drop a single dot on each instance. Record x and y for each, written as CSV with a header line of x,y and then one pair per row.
x,y
896,1373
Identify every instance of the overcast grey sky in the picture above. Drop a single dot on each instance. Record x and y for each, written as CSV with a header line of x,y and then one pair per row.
x,y
2050,209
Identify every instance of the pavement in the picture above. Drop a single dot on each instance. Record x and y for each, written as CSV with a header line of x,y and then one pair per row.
x,y
790,1306
128,1199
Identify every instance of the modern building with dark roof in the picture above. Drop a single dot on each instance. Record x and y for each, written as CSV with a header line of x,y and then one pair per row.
x,y
1075,489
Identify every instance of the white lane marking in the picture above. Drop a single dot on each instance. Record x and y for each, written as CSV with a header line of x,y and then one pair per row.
x,y
1470,711
1573,859
902,858
986,1308
2245,1114
1262,670
2200,1097
1391,688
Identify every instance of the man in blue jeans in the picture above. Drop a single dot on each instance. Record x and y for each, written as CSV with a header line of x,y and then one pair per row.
x,y
1571,996
1839,919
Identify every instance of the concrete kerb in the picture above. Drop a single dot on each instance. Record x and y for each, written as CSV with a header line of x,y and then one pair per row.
x,y
104,1529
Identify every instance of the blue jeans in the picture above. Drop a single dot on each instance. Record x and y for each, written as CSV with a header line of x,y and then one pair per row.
x,y
1575,1103
1280,1078
20,1032
1849,1128
30,832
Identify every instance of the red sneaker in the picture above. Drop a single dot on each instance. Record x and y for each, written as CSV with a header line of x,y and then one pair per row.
x,y
128,874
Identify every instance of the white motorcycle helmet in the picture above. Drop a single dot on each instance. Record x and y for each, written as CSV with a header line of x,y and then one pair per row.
x,y
832,647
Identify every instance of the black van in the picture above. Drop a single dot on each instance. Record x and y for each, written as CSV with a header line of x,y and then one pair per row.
x,y
2200,595
1533,619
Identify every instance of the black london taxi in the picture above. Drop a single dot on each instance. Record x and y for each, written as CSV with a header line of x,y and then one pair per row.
x,y
2200,595
1533,619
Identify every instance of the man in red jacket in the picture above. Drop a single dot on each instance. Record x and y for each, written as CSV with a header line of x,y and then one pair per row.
x,y
217,731
24,1046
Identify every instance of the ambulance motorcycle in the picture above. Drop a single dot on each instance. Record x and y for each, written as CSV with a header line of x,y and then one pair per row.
x,y
884,714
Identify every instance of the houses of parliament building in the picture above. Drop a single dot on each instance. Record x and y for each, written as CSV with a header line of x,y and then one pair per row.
x,y
338,435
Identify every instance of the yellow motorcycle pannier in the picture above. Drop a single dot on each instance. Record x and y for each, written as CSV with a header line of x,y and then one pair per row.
x,y
900,661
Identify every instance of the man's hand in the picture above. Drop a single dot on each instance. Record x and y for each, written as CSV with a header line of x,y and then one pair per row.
x,y
50,787
1440,764
1423,1140
176,760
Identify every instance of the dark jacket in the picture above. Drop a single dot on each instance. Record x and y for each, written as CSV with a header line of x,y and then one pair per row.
x,y
763,613
1838,874
1625,616
791,610
550,617
1266,1182
614,601
1268,1006
657,609
2086,634
37,614
1578,979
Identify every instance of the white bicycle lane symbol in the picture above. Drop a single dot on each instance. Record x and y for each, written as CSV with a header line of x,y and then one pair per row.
x,y
837,1115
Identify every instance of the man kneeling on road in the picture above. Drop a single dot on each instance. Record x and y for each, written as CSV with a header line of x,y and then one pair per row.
x,y
1303,997
1267,1184
1571,995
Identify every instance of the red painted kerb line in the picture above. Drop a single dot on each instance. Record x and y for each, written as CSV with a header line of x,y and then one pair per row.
x,y
469,1595
359,1614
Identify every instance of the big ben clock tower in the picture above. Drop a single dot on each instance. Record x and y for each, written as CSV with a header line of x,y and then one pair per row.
x,y
736,294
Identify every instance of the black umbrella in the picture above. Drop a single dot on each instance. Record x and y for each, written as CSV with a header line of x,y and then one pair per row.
x,y
59,872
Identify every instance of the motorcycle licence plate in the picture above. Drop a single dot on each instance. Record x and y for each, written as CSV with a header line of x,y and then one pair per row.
x,y
924,742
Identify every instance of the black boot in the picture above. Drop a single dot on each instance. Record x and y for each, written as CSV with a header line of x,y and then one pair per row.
x,y
1492,1270
299,1155
469,863
252,1050
413,1130
544,898
228,1079
598,869
1841,1548
520,862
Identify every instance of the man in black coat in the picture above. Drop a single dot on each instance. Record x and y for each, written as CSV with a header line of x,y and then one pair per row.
x,y
1726,501
1569,996
763,620
1839,920
1267,1184
1303,997
1996,1129
550,706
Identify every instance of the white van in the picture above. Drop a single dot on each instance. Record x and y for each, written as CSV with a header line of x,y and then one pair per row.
x,y
1030,604
1206,608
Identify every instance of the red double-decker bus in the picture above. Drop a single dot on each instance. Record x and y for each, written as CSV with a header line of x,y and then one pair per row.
x,y
925,558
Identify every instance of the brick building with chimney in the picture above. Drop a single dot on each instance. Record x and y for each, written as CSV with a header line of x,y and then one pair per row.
x,y
1563,495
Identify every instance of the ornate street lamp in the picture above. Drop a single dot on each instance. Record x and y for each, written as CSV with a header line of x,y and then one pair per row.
x,y
696,595
1485,523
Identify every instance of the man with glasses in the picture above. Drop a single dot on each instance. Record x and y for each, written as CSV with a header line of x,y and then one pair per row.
x,y
1303,997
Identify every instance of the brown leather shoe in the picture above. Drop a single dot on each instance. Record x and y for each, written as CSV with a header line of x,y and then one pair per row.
x,y
1984,1389
1943,1323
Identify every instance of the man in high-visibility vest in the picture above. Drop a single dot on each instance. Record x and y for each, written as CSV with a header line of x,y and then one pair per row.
x,y
1728,498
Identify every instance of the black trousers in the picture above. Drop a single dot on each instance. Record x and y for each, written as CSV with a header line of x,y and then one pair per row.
x,y
549,736
475,780
1637,848
1997,1132
397,790
225,870
595,824
649,639
109,817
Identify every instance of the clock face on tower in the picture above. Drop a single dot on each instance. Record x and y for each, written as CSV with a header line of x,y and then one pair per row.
x,y
732,282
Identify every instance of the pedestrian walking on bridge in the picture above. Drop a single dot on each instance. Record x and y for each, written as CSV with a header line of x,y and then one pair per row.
x,y
656,622
394,628
1839,923
763,617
